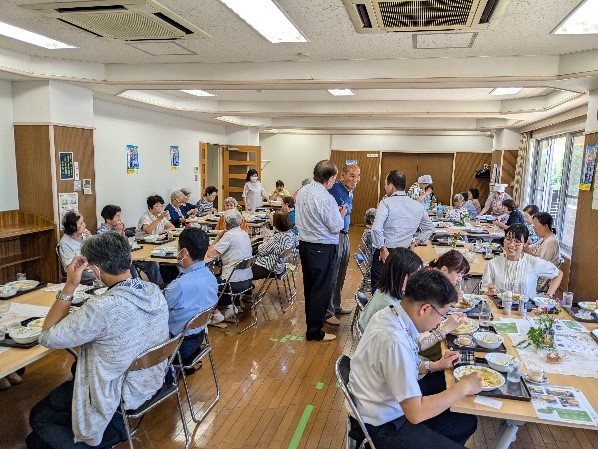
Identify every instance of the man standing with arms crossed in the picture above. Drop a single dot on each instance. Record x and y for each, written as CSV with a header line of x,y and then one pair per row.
x,y
342,191
319,221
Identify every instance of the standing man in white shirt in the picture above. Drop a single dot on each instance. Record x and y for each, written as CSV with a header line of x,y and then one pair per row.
x,y
397,220
386,366
319,221
342,191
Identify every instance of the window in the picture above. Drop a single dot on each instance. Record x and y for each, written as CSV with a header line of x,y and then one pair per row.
x,y
557,161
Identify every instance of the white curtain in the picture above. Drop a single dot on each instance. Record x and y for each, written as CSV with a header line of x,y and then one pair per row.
x,y
520,168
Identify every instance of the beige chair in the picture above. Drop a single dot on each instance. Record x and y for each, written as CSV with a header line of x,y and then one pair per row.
x,y
200,320
150,358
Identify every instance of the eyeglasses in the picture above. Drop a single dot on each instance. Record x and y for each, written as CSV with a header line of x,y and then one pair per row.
x,y
513,241
444,317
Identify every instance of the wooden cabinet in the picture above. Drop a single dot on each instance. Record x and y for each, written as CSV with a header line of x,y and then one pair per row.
x,y
27,245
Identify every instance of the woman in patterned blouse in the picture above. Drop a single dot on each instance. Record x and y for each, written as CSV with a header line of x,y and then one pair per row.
x,y
268,253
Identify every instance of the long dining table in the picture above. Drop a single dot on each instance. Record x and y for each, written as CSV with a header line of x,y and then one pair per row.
x,y
16,358
515,413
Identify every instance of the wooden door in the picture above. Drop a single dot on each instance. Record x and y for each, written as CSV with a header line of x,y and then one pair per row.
x,y
203,167
440,167
405,162
466,164
236,161
366,192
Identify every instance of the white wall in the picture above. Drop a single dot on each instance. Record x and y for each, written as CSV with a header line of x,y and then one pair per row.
x,y
414,143
31,102
592,118
241,136
293,157
9,199
118,126
71,105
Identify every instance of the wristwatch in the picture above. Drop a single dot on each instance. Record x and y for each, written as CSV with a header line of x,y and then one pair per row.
x,y
62,297
427,367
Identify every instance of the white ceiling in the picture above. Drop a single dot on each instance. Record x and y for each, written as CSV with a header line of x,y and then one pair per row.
x,y
276,84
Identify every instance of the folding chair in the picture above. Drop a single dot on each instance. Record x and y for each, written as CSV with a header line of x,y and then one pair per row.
x,y
342,369
367,257
363,269
62,272
226,289
200,320
147,359
290,292
361,300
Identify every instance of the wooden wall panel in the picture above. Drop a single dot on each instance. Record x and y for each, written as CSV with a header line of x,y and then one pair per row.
x,y
509,162
440,167
203,167
466,165
34,176
79,141
582,277
405,162
367,191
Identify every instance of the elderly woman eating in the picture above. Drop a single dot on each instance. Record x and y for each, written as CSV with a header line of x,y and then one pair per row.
x,y
231,246
517,271
75,233
229,204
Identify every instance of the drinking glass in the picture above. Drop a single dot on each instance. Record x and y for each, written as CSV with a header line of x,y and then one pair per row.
x,y
485,314
21,276
514,373
568,300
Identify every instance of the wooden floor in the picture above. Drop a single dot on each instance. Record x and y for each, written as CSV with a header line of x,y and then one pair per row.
x,y
268,385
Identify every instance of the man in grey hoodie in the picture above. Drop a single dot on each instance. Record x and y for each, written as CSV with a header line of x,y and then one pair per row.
x,y
111,330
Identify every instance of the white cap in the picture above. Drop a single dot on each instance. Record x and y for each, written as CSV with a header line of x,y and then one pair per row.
x,y
424,179
499,187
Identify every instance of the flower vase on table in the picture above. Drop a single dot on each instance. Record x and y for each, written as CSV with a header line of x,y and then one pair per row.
x,y
542,336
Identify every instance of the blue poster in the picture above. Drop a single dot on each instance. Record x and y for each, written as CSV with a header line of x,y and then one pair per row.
x,y
175,159
67,171
132,159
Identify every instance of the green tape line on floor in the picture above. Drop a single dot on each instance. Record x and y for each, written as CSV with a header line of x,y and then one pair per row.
x,y
319,385
294,444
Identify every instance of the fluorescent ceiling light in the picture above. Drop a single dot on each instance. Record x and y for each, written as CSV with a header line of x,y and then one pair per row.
x,y
31,38
199,93
505,90
267,19
341,92
583,20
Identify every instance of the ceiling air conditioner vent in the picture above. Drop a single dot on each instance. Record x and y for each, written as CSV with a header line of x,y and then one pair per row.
x,y
129,20
375,16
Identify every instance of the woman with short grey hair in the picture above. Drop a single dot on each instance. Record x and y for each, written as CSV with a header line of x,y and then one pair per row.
x,y
231,246
230,203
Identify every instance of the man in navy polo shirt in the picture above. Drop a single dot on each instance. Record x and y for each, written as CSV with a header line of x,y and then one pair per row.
x,y
342,191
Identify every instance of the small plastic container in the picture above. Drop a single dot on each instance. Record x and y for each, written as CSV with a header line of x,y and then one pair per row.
x,y
507,303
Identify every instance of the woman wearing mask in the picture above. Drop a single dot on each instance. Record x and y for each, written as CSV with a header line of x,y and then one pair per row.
x,y
253,192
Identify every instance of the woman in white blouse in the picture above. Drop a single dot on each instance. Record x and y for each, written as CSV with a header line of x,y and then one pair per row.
x,y
547,247
517,271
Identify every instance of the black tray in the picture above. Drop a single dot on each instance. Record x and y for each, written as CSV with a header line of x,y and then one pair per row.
x,y
451,343
530,306
19,293
10,343
477,232
158,242
594,336
153,256
475,312
136,249
510,390
576,309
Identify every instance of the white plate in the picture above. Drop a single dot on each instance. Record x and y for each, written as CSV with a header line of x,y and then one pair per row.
x,y
469,326
589,305
27,284
475,298
528,380
37,323
459,309
468,369
498,361
7,292
545,303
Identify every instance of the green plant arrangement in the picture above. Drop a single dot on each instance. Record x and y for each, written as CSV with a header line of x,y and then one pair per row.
x,y
542,336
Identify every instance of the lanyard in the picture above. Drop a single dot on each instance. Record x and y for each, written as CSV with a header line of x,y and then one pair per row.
x,y
415,354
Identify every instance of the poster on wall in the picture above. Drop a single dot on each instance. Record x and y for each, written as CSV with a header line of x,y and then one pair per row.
x,y
67,171
66,203
350,162
595,195
132,159
87,187
587,170
175,159
77,186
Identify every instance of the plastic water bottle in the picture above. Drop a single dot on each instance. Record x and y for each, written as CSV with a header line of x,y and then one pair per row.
x,y
523,306
507,303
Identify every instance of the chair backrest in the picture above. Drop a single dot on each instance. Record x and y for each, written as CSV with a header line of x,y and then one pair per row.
x,y
60,263
156,355
199,320
360,264
239,265
286,254
342,370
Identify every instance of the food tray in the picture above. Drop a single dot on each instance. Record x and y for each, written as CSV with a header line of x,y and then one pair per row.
x,y
19,293
594,335
453,346
157,242
574,310
510,390
475,312
530,306
136,249
157,256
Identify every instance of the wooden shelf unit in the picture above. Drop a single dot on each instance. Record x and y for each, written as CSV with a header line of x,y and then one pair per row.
x,y
27,245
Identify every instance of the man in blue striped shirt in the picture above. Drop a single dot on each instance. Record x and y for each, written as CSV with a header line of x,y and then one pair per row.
x,y
319,221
